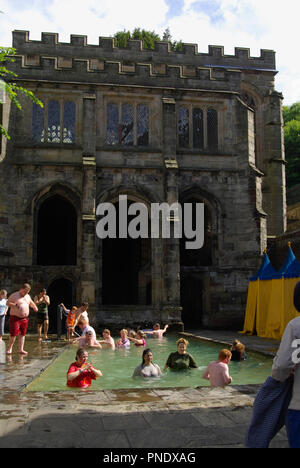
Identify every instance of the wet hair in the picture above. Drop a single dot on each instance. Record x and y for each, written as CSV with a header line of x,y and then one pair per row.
x,y
26,286
82,321
146,351
140,333
182,340
240,347
106,330
297,296
224,354
43,290
80,352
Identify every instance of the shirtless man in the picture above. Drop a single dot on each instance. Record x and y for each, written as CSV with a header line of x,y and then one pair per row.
x,y
108,341
157,332
19,303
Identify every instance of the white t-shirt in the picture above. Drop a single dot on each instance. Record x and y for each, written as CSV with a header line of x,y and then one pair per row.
x,y
2,306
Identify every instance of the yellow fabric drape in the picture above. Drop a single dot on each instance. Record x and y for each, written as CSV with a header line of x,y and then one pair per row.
x,y
264,295
249,323
275,310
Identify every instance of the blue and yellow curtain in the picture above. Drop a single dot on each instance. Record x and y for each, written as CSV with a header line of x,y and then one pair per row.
x,y
270,305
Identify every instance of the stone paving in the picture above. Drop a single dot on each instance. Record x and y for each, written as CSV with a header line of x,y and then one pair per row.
x,y
182,418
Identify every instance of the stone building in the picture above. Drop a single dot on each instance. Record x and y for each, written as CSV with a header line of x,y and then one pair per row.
x,y
157,126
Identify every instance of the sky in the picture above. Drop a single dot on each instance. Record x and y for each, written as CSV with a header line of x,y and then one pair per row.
x,y
255,24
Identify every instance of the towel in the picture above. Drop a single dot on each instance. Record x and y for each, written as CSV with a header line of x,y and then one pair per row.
x,y
269,412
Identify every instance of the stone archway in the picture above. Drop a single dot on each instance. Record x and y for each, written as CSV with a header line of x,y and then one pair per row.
x,y
56,232
195,264
126,269
60,290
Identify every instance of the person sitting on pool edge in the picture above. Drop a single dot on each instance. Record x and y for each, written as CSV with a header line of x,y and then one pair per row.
x,y
147,368
81,373
217,371
180,360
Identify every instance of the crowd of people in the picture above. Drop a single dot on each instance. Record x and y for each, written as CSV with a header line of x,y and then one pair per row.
x,y
279,392
79,330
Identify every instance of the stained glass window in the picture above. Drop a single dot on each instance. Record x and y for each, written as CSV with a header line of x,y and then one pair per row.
x,y
198,140
38,133
183,127
142,125
69,122
127,137
112,133
212,129
53,122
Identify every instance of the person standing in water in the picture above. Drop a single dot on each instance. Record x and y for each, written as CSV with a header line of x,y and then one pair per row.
x,y
180,360
42,301
19,303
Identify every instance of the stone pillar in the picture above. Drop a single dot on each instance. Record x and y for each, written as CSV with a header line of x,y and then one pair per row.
x,y
88,264
274,183
171,309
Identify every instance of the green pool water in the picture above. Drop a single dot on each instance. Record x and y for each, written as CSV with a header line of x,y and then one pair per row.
x,y
118,366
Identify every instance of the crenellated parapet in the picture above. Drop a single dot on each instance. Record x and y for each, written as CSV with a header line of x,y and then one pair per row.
x,y
77,60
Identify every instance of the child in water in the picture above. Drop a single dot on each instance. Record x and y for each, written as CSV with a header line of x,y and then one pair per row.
x,y
139,339
123,342
70,321
108,341
217,372
238,351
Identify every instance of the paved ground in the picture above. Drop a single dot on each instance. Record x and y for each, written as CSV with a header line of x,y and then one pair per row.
x,y
185,418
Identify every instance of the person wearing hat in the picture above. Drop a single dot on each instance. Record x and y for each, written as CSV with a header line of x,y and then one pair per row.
x,y
286,362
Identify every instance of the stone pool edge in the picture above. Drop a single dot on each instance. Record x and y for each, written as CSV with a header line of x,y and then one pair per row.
x,y
121,400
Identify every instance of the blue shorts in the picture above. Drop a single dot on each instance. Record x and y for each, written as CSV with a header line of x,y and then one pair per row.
x,y
293,428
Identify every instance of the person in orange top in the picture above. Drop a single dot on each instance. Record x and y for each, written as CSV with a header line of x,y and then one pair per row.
x,y
81,373
70,321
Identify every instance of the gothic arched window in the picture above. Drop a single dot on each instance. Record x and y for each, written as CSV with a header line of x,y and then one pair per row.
x,y
127,124
212,129
198,135
183,127
59,126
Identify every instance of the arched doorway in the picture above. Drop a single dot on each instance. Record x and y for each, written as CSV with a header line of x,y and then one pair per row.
x,y
194,265
192,300
60,290
126,269
56,232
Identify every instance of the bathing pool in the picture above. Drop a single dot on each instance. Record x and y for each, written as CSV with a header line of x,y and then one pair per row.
x,y
117,367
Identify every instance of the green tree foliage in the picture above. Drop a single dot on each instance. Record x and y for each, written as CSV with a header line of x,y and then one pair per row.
x,y
7,85
291,117
148,38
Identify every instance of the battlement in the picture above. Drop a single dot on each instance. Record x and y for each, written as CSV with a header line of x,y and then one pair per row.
x,y
78,47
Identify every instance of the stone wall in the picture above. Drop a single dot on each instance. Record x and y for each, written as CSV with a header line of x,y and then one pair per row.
x,y
241,181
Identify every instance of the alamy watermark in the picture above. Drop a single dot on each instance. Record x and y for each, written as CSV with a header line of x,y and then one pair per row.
x,y
165,221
